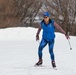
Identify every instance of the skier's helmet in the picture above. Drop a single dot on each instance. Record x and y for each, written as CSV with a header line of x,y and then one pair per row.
x,y
46,14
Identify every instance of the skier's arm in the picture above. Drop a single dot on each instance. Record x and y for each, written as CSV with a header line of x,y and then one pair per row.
x,y
60,29
38,32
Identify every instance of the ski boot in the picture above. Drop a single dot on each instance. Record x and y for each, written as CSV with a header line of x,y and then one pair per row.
x,y
53,64
39,62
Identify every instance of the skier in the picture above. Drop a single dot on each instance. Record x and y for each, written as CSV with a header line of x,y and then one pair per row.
x,y
48,25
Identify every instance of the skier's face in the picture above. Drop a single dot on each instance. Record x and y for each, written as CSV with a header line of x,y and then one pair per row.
x,y
46,19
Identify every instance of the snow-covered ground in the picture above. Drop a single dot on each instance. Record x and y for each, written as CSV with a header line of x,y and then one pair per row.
x,y
18,54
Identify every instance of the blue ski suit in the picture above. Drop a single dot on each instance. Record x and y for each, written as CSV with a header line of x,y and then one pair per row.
x,y
47,38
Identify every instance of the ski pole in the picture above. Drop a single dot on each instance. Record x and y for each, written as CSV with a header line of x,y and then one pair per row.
x,y
69,43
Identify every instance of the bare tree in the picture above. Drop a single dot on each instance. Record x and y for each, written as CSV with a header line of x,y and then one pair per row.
x,y
64,12
14,12
23,12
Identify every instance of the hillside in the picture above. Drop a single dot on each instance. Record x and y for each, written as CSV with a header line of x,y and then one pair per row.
x,y
18,54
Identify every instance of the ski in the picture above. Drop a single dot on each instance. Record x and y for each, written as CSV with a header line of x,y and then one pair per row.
x,y
55,68
44,67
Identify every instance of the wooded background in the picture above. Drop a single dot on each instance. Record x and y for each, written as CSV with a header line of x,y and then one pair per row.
x,y
22,13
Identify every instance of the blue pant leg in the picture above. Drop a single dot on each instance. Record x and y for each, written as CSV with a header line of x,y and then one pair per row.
x,y
51,46
41,46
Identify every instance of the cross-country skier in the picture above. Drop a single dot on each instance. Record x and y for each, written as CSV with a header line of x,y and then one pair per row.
x,y
48,25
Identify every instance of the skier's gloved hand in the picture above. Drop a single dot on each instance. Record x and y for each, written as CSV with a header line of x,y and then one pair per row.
x,y
67,36
37,37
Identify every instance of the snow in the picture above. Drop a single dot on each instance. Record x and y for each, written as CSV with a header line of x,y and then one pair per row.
x,y
18,53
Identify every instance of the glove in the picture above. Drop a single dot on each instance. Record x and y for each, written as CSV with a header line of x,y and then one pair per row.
x,y
37,37
67,36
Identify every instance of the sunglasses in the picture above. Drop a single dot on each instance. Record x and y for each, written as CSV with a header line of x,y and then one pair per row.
x,y
45,17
